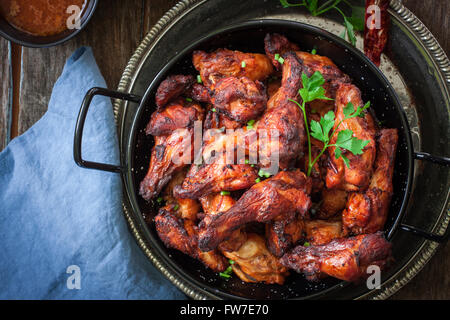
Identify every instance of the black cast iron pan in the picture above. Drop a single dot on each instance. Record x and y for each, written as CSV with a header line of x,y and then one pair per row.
x,y
248,36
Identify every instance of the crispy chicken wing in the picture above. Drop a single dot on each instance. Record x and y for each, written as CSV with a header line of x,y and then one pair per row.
x,y
254,263
284,118
187,208
333,202
278,44
321,231
181,234
330,72
345,258
214,204
216,177
281,235
240,99
357,176
275,43
215,120
279,197
178,114
223,63
367,212
170,152
172,87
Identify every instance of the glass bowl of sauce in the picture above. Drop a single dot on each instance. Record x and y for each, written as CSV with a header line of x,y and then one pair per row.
x,y
43,23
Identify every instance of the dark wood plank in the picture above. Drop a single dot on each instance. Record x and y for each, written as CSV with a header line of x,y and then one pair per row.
x,y
4,91
435,14
113,33
154,10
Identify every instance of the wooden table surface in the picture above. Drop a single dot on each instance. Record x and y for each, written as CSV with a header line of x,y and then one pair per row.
x,y
114,32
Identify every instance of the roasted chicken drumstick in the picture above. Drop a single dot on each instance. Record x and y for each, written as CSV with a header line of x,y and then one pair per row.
x,y
345,258
282,197
367,212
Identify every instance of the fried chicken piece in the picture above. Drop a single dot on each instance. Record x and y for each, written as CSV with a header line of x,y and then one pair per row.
x,y
187,208
199,93
275,43
170,152
215,120
281,235
278,44
321,231
345,258
181,234
332,75
367,212
240,99
212,205
357,176
172,87
333,202
216,177
254,263
283,118
223,63
178,114
277,198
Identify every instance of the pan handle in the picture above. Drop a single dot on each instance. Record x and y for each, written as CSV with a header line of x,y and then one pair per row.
x,y
80,125
443,161
425,234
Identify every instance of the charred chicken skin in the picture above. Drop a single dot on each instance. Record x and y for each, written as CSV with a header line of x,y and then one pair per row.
x,y
212,205
283,118
223,63
355,177
367,212
280,197
177,115
281,235
240,99
345,258
171,151
216,177
172,87
181,234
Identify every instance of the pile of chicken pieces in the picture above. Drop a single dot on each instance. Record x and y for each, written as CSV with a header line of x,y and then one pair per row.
x,y
328,224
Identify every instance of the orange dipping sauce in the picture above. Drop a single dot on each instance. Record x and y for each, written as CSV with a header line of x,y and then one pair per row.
x,y
40,17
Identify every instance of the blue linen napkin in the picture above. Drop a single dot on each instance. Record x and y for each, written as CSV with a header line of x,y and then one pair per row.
x,y
62,231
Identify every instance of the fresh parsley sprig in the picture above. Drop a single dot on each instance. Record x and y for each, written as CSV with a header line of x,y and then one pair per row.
x,y
352,23
320,130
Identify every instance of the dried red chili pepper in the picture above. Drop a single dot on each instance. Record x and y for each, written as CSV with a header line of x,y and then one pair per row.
x,y
376,29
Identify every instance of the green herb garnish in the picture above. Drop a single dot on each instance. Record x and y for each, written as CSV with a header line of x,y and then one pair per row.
x,y
199,79
213,109
188,99
352,23
312,90
243,64
227,273
257,180
159,200
224,193
263,173
306,244
176,207
314,51
250,124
